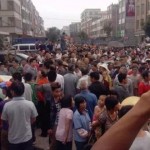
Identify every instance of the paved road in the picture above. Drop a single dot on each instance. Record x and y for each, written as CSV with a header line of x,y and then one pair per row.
x,y
42,143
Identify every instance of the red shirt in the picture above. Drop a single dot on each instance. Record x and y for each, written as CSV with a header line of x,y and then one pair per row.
x,y
40,95
143,88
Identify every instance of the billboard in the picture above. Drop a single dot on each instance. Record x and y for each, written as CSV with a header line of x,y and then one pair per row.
x,y
130,8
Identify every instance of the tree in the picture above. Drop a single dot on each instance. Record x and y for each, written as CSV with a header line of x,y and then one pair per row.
x,y
108,28
146,27
53,34
83,36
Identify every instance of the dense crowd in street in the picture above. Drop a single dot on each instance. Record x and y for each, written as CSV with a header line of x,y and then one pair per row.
x,y
72,95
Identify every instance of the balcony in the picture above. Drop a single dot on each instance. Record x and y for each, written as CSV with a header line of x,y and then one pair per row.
x,y
148,12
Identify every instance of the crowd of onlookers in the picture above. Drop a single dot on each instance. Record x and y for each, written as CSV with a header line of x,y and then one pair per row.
x,y
74,95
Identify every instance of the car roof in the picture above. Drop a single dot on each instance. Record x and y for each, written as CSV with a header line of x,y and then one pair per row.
x,y
22,55
14,53
31,44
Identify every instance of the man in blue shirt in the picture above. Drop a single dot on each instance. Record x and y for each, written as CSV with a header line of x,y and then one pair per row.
x,y
91,99
82,123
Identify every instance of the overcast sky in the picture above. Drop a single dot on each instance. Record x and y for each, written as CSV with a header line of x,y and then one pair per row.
x,y
60,13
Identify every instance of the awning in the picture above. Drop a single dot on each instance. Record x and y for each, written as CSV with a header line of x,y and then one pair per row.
x,y
4,33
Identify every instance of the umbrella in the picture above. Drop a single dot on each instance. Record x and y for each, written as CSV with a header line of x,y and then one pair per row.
x,y
115,44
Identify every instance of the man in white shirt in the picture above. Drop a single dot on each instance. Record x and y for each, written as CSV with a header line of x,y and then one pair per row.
x,y
60,80
85,77
20,114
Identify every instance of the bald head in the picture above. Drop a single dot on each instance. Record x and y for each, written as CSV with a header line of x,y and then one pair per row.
x,y
84,85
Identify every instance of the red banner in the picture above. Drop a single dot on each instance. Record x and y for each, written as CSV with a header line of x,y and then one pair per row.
x,y
130,8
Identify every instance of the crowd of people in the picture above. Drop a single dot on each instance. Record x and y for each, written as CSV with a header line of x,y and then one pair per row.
x,y
74,95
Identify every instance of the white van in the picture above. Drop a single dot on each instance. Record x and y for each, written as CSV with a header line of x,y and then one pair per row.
x,y
25,47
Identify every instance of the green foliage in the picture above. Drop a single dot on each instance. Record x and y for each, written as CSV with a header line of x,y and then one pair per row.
x,y
146,27
108,28
53,34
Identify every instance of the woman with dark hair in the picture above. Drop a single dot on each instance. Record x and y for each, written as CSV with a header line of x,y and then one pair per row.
x,y
82,123
110,115
64,128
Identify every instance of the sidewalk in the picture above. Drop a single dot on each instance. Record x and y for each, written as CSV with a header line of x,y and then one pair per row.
x,y
42,142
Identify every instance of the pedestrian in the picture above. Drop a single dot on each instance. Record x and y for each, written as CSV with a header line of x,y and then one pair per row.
x,y
44,103
32,68
3,69
109,116
55,107
144,85
85,76
28,79
135,78
99,109
16,68
121,87
82,123
4,125
22,111
64,132
70,82
91,99
28,89
97,87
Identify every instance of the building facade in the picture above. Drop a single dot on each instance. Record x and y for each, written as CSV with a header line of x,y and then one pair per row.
x,y
20,19
86,18
127,21
75,28
113,18
65,30
142,11
97,26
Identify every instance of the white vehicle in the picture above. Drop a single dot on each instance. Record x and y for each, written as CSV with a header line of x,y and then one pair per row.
x,y
25,47
4,56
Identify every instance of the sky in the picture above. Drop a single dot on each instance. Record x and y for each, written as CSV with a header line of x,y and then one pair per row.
x,y
59,13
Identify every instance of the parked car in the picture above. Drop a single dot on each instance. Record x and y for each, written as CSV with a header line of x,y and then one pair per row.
x,y
6,56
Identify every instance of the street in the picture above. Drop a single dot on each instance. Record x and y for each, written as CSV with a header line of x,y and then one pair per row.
x,y
42,142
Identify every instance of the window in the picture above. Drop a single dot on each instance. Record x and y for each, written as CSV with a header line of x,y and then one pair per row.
x,y
122,3
11,21
137,10
24,47
137,24
148,7
0,22
142,22
17,8
142,9
0,5
10,5
32,48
